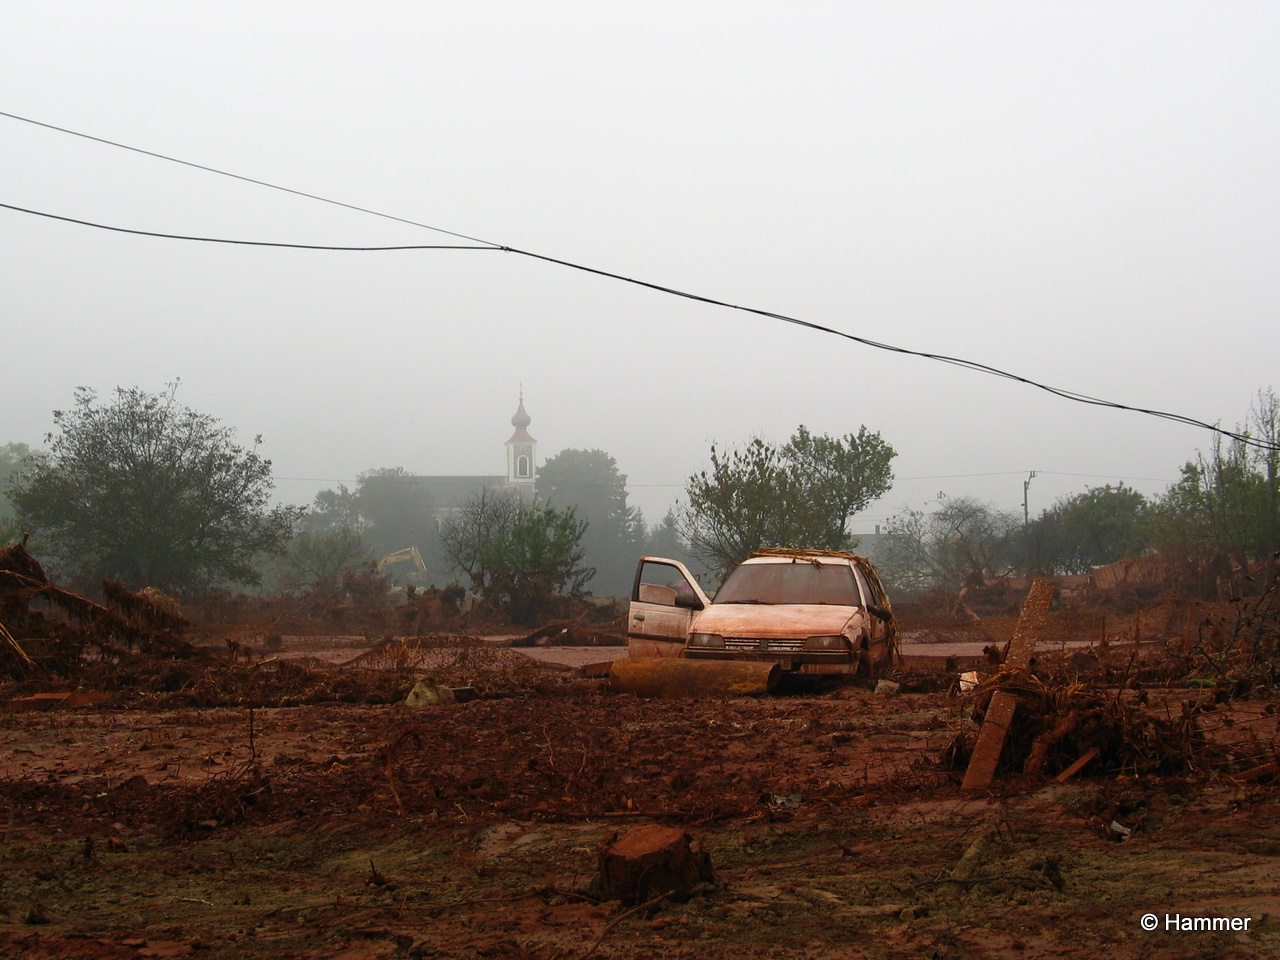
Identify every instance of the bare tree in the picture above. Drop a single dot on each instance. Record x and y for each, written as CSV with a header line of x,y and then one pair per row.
x,y
960,544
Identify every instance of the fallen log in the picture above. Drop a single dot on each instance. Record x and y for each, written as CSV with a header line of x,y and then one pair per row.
x,y
672,677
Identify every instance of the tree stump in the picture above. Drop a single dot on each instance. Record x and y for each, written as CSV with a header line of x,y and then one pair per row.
x,y
648,861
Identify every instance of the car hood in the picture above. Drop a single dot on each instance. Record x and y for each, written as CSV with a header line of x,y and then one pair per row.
x,y
774,620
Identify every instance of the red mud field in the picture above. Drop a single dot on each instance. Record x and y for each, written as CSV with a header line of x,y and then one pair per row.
x,y
296,807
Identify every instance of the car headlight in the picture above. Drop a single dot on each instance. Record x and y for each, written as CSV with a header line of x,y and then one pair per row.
x,y
707,641
826,643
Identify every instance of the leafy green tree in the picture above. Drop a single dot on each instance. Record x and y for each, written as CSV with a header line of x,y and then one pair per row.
x,y
397,511
312,557
589,481
960,544
150,492
1227,502
518,555
1089,529
12,457
328,542
334,510
800,494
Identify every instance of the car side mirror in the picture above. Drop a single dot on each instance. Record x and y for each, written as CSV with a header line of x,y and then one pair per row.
x,y
688,601
880,612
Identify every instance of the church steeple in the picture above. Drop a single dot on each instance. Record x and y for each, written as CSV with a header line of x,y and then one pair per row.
x,y
521,470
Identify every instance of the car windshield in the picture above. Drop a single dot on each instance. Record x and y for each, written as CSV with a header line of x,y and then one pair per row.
x,y
797,582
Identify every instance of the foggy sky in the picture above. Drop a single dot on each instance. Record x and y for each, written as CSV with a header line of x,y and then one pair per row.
x,y
1084,194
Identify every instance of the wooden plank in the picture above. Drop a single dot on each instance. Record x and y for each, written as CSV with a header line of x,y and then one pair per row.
x,y
1258,772
995,725
50,701
986,754
1035,610
1076,767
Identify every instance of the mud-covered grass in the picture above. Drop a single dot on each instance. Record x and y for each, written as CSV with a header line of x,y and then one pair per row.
x,y
470,830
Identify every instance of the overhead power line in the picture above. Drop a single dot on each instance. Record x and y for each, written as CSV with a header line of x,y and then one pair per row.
x,y
973,365
237,176
246,243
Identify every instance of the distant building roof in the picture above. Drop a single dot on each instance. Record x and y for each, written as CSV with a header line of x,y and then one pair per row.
x,y
1131,571
452,491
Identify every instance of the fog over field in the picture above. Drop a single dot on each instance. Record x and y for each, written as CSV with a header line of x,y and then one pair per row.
x,y
1084,195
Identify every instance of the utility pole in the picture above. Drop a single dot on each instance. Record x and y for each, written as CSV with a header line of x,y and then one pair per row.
x,y
1026,518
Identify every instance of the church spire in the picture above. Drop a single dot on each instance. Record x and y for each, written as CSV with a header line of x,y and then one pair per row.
x,y
521,420
521,470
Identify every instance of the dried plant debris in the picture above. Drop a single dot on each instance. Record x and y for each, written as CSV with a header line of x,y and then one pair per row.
x,y
1244,652
54,633
569,633
489,669
1055,724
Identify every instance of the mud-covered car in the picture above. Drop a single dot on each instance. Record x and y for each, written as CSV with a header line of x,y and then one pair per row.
x,y
814,613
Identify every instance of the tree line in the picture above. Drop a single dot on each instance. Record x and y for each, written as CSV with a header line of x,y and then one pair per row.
x,y
141,489
1220,518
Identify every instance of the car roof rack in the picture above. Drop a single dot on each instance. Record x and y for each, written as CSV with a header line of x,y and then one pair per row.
x,y
800,554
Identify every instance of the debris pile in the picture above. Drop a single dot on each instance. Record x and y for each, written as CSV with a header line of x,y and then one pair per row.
x,y
134,645
1244,653
569,633
358,601
459,661
1085,710
50,633
1055,725
430,607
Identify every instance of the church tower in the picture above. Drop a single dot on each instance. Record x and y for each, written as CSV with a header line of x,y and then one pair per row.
x,y
521,471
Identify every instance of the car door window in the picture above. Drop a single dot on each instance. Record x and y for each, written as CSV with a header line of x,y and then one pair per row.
x,y
661,583
868,595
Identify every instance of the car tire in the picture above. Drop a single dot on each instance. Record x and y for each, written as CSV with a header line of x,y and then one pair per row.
x,y
862,666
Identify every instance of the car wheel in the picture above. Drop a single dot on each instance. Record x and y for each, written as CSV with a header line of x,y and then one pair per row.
x,y
862,662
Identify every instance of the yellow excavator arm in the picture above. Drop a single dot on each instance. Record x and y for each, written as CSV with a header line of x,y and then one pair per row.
x,y
408,554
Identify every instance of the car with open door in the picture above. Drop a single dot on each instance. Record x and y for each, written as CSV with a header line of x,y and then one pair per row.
x,y
812,612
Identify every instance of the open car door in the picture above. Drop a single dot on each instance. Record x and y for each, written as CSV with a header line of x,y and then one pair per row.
x,y
665,600
884,628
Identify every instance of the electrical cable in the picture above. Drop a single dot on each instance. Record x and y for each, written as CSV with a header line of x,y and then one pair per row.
x,y
820,328
237,176
941,358
972,365
244,243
